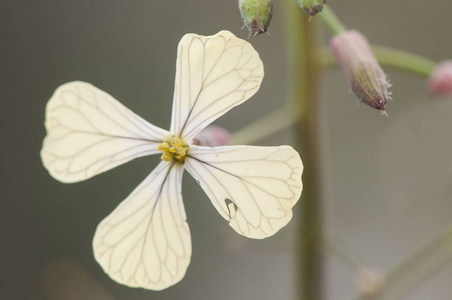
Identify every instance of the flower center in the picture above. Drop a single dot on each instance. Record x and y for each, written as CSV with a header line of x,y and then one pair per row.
x,y
175,149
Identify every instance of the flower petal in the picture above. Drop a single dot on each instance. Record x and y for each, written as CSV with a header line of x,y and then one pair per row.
x,y
254,188
89,132
145,242
214,74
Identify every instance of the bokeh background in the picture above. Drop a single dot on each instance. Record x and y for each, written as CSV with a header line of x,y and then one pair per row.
x,y
387,181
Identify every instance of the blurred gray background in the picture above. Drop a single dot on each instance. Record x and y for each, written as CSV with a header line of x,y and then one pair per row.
x,y
388,181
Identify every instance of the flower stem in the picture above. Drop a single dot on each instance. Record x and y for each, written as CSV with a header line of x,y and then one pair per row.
x,y
394,58
335,247
403,60
420,265
331,20
302,45
264,127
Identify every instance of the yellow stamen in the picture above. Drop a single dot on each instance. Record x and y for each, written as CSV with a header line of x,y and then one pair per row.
x,y
166,156
177,150
163,147
175,141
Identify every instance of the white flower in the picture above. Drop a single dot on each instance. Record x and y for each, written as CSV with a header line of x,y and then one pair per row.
x,y
145,242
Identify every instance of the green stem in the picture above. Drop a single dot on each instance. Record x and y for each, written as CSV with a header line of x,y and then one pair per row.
x,y
403,60
420,265
264,127
331,20
393,58
302,44
337,248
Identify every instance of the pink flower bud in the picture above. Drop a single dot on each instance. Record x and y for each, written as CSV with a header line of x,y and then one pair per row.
x,y
365,76
440,81
213,136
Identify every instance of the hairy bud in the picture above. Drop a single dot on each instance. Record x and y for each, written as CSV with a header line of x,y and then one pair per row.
x,y
365,76
213,136
440,81
256,14
311,7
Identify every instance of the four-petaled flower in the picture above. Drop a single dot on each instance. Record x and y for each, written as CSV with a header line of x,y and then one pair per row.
x,y
145,242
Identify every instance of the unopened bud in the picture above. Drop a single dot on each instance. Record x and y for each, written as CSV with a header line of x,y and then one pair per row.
x,y
256,14
311,7
213,136
440,81
365,76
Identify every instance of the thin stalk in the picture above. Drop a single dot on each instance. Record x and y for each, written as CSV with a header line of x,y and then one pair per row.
x,y
331,20
420,265
404,60
264,127
302,45
393,58
425,261
335,247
